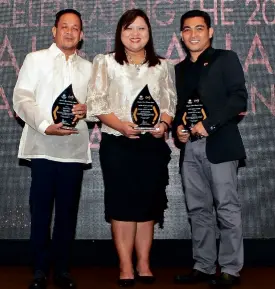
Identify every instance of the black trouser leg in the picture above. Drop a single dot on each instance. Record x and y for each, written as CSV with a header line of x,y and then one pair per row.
x,y
68,188
41,206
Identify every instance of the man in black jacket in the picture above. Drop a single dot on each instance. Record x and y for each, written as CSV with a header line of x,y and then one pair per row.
x,y
211,95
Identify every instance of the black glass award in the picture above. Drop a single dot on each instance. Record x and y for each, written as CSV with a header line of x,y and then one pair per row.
x,y
145,111
194,112
62,108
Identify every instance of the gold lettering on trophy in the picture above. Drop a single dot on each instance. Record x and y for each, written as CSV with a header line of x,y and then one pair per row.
x,y
184,118
135,114
55,111
203,113
156,114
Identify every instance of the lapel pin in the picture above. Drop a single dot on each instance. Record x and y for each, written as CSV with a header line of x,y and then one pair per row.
x,y
206,63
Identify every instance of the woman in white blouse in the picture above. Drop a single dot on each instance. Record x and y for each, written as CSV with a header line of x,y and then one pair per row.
x,y
134,162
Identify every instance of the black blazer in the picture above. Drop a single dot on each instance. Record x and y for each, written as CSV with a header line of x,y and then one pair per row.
x,y
224,95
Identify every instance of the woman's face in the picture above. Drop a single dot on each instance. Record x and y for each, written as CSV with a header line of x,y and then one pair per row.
x,y
135,36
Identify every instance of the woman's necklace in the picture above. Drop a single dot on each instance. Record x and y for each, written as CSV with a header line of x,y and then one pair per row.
x,y
137,66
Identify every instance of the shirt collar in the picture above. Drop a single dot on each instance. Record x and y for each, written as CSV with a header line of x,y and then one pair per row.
x,y
57,52
204,56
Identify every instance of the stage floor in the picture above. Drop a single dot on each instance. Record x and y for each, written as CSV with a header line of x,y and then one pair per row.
x,y
105,277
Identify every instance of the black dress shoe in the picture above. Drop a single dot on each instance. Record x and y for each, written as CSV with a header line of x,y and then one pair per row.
x,y
64,281
39,283
225,279
126,282
195,276
146,279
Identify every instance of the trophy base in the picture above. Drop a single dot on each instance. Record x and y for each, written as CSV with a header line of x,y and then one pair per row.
x,y
146,128
69,128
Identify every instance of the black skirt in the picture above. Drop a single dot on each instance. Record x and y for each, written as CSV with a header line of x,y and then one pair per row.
x,y
135,174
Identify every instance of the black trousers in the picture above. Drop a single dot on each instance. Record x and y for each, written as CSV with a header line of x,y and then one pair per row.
x,y
54,185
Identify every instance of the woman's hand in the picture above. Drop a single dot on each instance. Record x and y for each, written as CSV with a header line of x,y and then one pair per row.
x,y
159,131
127,129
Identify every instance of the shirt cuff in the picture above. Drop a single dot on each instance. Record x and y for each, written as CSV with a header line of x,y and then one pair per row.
x,y
43,126
209,127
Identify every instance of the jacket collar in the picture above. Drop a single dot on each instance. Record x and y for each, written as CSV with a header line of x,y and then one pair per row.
x,y
205,56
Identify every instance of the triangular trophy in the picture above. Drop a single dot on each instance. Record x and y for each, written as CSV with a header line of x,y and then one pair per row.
x,y
62,108
194,112
145,111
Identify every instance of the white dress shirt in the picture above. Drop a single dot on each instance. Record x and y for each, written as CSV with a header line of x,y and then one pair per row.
x,y
114,87
43,76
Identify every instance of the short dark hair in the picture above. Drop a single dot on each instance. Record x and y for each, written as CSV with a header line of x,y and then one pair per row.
x,y
125,20
195,13
66,11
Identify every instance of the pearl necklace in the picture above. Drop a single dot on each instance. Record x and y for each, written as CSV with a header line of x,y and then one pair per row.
x,y
137,66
